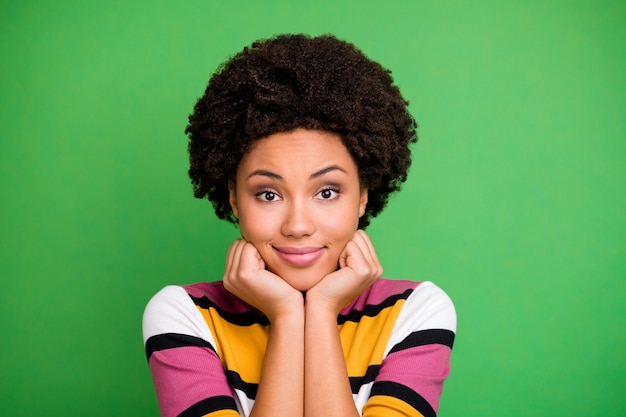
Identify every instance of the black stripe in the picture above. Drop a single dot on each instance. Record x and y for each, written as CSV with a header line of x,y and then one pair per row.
x,y
247,318
210,405
357,381
235,381
173,340
406,394
425,337
373,310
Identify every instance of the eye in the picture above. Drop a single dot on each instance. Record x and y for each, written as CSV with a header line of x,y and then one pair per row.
x,y
328,194
267,196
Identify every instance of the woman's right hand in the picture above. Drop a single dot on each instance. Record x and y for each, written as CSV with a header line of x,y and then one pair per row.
x,y
246,277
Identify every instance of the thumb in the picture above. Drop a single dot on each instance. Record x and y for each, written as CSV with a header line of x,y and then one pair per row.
x,y
346,254
252,257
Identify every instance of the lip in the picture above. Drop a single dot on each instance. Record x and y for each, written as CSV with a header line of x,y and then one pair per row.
x,y
300,257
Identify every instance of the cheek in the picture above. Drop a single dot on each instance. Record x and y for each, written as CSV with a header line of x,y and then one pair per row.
x,y
254,227
342,226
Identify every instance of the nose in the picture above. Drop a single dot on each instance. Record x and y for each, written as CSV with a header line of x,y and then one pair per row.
x,y
298,220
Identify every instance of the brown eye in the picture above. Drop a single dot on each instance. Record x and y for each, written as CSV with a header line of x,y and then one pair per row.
x,y
268,196
328,194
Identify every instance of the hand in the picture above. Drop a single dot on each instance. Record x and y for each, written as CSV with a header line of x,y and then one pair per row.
x,y
246,277
358,269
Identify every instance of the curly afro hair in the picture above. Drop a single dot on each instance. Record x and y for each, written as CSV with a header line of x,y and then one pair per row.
x,y
297,81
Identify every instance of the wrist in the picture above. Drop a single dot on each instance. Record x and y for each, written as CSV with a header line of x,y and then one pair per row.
x,y
321,307
289,311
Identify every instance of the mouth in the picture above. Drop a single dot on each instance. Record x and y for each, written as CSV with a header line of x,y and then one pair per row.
x,y
299,257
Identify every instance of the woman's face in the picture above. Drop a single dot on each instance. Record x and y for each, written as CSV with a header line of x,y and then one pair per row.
x,y
298,200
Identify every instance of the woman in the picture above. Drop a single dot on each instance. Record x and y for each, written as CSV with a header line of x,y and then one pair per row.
x,y
300,141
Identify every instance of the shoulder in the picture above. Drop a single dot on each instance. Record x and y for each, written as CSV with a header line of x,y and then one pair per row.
x,y
432,307
383,293
174,308
423,302
421,305
428,315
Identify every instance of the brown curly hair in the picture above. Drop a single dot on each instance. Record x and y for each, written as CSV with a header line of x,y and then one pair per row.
x,y
298,81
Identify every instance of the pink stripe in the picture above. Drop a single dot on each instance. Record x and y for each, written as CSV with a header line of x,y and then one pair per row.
x,y
429,367
216,292
379,292
376,294
185,375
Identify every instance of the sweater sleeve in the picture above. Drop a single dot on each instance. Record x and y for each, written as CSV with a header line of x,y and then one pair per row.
x,y
188,376
417,357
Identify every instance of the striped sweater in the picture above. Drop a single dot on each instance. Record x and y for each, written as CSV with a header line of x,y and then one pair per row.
x,y
205,349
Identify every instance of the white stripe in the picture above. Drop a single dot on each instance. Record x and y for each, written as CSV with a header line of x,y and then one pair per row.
x,y
428,307
171,310
362,396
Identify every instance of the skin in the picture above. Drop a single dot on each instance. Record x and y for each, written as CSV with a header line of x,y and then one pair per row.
x,y
298,198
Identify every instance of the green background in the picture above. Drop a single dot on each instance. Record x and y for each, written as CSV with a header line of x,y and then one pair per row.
x,y
515,204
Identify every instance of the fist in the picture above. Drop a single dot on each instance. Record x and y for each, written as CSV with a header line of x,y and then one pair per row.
x,y
245,276
359,267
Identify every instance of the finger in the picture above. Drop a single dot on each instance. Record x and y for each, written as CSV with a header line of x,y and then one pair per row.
x,y
353,256
232,266
367,247
346,253
365,243
372,250
251,258
229,258
236,258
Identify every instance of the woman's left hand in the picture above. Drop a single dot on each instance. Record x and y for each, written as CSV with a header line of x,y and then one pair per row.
x,y
359,267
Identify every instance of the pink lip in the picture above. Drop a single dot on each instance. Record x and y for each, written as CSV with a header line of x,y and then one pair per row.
x,y
299,256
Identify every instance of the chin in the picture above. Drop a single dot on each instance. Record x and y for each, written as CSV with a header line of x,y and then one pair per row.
x,y
302,280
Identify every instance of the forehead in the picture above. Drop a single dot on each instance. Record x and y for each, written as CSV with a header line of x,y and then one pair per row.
x,y
297,150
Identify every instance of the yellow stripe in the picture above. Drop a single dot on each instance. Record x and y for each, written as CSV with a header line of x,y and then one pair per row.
x,y
241,348
384,406
364,342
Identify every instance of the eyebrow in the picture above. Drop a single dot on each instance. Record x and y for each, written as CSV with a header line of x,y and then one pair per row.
x,y
327,170
316,174
264,173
